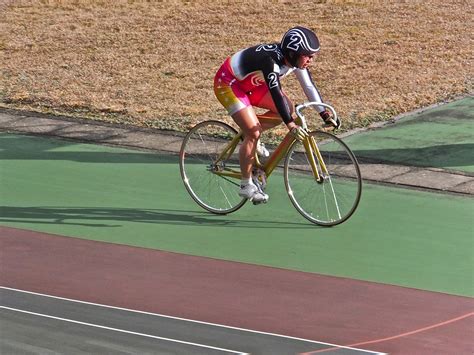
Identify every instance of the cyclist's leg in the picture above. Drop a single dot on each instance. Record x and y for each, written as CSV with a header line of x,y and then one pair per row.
x,y
238,105
248,122
263,99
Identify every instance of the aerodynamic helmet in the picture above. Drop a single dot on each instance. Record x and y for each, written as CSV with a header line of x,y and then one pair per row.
x,y
299,41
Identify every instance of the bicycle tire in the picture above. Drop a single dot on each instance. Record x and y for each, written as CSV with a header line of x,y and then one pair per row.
x,y
336,198
200,149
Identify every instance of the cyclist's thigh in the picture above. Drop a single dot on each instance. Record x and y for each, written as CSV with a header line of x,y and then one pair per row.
x,y
248,122
262,98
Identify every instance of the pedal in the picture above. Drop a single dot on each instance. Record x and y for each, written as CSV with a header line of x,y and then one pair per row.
x,y
259,202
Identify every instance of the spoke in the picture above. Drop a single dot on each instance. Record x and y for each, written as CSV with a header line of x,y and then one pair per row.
x,y
205,147
225,195
229,180
335,198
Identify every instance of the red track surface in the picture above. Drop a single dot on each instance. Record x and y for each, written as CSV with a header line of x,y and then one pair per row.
x,y
378,317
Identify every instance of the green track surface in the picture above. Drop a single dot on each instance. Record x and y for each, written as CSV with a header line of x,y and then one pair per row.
x,y
397,236
442,137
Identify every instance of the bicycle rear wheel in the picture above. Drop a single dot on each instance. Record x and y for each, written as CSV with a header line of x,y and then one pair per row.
x,y
334,199
206,178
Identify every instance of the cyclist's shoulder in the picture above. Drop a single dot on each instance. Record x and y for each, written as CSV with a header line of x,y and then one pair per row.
x,y
264,53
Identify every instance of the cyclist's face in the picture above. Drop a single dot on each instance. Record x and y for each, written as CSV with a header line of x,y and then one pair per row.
x,y
304,61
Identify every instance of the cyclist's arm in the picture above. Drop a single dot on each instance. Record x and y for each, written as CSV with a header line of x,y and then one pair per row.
x,y
310,90
272,79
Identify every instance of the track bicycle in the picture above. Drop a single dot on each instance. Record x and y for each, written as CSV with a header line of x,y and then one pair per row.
x,y
321,174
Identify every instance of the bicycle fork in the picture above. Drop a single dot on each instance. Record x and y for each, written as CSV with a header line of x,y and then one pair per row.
x,y
312,150
313,154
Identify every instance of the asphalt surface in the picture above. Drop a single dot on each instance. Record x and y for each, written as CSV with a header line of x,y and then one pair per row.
x,y
42,324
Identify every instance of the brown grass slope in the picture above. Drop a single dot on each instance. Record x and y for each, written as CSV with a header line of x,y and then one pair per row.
x,y
151,63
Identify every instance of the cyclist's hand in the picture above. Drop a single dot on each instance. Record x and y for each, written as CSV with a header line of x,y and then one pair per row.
x,y
297,131
329,120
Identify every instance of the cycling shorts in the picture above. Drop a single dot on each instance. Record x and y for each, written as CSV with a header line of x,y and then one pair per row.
x,y
230,93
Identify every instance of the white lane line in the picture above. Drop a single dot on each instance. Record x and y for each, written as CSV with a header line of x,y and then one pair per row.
x,y
192,321
123,331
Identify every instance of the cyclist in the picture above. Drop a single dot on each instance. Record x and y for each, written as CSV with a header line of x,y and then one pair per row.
x,y
251,77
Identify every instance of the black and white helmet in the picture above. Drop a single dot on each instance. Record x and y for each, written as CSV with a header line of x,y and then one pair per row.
x,y
299,41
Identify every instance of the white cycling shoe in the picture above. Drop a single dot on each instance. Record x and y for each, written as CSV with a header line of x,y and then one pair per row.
x,y
261,150
253,193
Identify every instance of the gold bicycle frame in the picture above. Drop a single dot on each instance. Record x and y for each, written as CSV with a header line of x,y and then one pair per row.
x,y
311,149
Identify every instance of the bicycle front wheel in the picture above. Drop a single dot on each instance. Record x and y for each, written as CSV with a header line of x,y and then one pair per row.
x,y
332,199
211,177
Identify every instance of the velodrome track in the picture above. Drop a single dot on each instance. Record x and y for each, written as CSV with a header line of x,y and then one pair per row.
x,y
114,227
128,290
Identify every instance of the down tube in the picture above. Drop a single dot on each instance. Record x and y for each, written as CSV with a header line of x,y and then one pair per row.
x,y
278,154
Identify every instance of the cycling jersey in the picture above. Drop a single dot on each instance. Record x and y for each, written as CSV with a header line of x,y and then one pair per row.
x,y
248,75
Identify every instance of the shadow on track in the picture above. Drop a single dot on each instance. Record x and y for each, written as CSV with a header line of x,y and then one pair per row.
x,y
16,147
110,217
438,156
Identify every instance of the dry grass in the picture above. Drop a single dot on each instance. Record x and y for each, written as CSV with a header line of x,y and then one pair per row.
x,y
151,63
